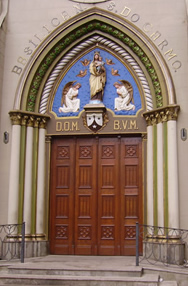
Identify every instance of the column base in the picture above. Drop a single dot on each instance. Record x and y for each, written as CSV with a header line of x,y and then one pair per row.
x,y
34,237
36,248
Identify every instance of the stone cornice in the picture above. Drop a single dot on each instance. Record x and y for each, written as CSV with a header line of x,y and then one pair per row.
x,y
161,115
28,119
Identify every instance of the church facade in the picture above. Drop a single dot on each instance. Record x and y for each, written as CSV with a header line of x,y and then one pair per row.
x,y
93,122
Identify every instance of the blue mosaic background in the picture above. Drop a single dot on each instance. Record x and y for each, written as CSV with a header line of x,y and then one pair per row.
x,y
109,91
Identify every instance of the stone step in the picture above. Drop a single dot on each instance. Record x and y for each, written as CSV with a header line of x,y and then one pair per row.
x,y
169,283
132,271
21,279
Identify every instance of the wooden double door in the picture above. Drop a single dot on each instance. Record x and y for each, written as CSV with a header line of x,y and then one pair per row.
x,y
95,195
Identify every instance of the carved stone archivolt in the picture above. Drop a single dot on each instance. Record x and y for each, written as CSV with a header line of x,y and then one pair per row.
x,y
161,115
28,119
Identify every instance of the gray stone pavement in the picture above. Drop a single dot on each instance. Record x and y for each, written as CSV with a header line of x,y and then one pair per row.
x,y
88,262
109,263
76,262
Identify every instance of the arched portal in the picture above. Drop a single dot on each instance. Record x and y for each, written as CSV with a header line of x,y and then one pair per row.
x,y
143,106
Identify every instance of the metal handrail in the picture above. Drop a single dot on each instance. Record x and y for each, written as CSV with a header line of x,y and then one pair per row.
x,y
155,244
12,241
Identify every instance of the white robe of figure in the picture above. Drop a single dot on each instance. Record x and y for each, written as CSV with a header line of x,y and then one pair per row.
x,y
122,101
72,102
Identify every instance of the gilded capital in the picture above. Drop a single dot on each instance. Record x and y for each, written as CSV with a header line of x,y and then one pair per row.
x,y
161,115
36,122
24,120
43,123
28,119
15,117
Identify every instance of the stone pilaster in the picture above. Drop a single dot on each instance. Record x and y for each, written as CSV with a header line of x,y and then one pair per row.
x,y
162,175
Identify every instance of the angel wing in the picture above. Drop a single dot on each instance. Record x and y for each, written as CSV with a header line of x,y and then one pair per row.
x,y
65,90
129,88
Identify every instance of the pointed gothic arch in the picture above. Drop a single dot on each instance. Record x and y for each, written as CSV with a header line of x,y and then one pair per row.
x,y
81,31
29,119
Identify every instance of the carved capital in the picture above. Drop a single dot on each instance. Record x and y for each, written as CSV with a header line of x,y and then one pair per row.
x,y
29,119
161,115
15,118
24,120
43,123
36,122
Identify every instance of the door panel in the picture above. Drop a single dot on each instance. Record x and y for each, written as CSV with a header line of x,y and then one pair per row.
x,y
108,198
85,197
96,195
131,186
62,196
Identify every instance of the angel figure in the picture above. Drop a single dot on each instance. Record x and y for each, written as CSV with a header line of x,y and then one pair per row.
x,y
69,100
85,62
109,62
82,73
125,96
114,72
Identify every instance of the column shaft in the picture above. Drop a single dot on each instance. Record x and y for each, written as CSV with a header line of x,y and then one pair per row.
x,y
150,176
34,180
173,201
22,173
41,184
14,176
160,195
28,180
155,176
165,173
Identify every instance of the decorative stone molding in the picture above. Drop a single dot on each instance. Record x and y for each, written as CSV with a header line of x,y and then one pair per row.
x,y
161,115
28,119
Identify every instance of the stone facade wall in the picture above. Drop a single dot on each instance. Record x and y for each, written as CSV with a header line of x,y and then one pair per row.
x,y
4,153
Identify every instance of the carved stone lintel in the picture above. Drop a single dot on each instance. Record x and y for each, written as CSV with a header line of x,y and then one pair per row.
x,y
161,115
28,119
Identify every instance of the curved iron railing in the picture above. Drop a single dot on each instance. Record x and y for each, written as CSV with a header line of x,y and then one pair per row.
x,y
12,241
164,245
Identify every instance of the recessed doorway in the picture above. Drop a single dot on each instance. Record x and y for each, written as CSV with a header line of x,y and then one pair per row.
x,y
95,195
